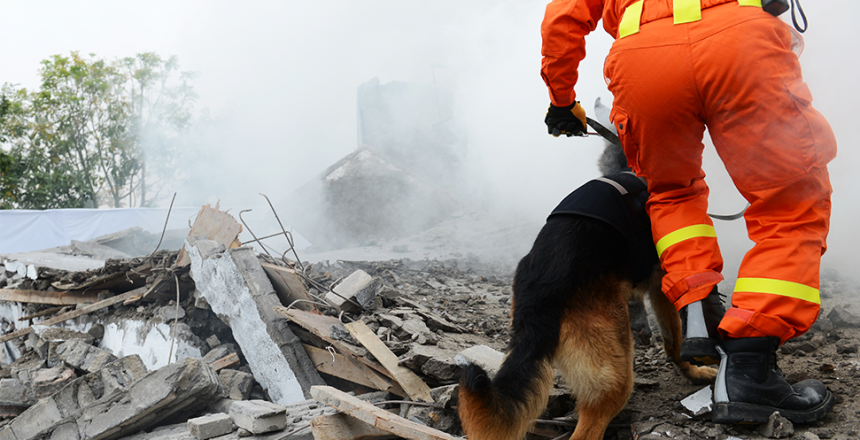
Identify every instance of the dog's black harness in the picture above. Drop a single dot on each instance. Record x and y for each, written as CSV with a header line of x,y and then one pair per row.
x,y
618,200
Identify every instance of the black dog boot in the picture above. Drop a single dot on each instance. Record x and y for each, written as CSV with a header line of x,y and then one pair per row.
x,y
750,386
699,322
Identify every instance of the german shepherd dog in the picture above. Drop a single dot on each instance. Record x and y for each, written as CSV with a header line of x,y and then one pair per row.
x,y
570,311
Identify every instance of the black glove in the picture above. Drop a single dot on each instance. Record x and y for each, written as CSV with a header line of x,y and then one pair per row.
x,y
568,120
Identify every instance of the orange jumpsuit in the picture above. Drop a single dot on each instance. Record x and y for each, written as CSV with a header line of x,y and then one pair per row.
x,y
731,70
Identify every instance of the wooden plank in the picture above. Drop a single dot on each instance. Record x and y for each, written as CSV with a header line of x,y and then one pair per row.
x,y
75,313
411,383
320,326
231,360
346,368
216,225
45,297
288,285
343,427
117,281
374,416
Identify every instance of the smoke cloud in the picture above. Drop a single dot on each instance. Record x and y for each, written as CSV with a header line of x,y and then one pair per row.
x,y
279,81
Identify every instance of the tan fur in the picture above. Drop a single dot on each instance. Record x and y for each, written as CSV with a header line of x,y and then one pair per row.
x,y
484,422
595,358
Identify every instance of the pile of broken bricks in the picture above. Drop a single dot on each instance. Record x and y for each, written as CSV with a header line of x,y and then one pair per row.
x,y
303,362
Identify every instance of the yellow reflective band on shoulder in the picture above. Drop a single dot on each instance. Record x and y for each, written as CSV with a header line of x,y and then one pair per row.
x,y
687,11
778,287
630,21
684,234
756,3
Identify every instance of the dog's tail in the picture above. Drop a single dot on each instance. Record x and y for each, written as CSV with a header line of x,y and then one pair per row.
x,y
504,408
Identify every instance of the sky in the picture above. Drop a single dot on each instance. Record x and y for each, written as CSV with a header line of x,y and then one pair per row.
x,y
280,77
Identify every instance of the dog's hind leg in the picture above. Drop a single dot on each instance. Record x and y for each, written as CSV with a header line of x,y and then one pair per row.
x,y
670,329
595,357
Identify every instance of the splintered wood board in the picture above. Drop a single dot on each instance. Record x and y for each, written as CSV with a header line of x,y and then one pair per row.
x,y
343,427
288,286
320,326
411,383
45,297
376,417
217,226
75,313
346,368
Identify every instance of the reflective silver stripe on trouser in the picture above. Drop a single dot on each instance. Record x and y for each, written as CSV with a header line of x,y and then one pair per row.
x,y
696,327
721,394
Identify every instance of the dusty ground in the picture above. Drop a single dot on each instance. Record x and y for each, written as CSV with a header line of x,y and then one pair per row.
x,y
477,296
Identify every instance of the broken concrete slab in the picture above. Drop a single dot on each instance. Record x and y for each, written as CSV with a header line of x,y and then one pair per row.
x,y
237,384
15,397
358,287
485,357
45,340
259,416
700,402
83,356
211,425
239,292
69,413
47,381
89,408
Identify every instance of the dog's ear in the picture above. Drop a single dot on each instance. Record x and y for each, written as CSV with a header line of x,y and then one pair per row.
x,y
612,160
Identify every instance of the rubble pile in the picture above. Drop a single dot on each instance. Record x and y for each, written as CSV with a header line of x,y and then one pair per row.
x,y
260,348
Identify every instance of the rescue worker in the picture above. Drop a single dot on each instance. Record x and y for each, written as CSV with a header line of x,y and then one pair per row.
x,y
674,69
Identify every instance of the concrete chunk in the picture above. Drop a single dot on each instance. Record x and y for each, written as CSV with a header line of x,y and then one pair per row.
x,y
83,356
49,380
699,402
211,425
259,416
238,290
483,356
115,401
237,384
359,287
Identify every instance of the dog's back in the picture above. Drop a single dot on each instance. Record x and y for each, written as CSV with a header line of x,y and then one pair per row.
x,y
569,311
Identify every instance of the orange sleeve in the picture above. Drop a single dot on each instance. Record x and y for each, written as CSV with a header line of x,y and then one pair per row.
x,y
564,28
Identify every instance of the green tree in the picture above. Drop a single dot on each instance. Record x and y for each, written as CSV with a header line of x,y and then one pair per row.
x,y
83,138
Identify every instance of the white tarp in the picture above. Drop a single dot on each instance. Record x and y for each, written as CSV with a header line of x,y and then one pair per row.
x,y
32,230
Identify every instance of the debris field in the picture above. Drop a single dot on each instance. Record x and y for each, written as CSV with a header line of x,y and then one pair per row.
x,y
264,348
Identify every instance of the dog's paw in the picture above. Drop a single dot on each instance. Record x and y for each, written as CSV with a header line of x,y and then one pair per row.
x,y
698,375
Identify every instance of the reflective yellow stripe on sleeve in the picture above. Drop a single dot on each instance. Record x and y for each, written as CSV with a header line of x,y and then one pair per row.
x,y
756,3
684,234
687,11
630,20
778,287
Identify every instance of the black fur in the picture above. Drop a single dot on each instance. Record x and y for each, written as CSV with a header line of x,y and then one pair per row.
x,y
569,256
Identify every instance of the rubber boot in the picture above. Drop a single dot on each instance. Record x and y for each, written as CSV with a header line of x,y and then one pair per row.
x,y
699,322
750,386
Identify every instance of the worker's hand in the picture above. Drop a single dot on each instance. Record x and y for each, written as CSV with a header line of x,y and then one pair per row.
x,y
568,120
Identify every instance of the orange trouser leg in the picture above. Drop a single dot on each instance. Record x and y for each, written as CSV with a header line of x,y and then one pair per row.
x,y
776,147
734,72
658,114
